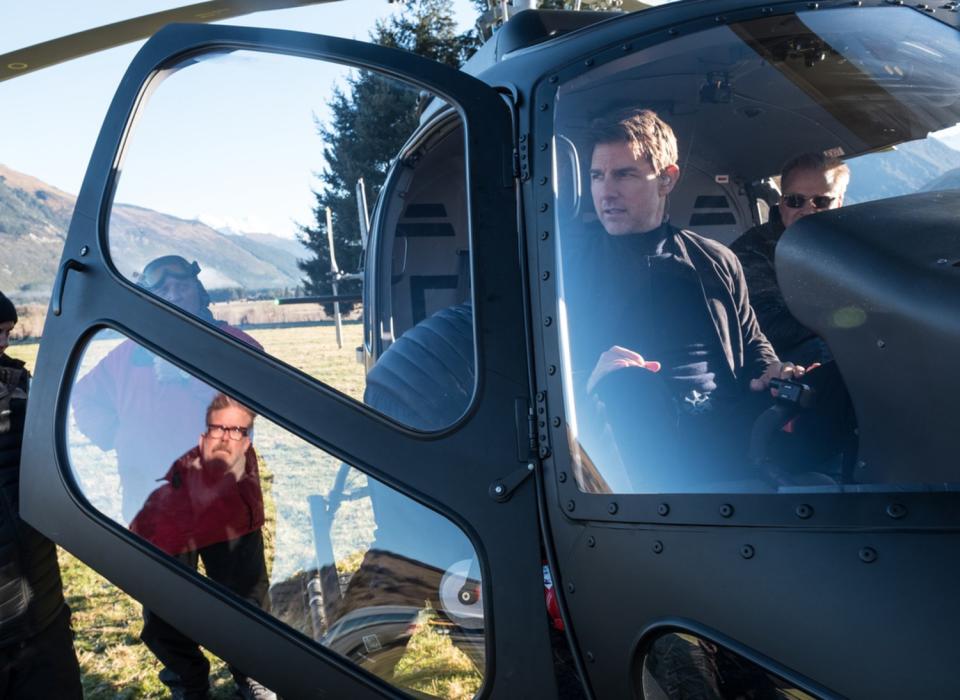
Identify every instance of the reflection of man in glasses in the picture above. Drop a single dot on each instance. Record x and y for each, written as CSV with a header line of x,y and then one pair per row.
x,y
810,183
139,404
210,508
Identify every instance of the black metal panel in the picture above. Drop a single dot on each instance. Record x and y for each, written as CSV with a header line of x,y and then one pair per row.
x,y
445,471
818,608
879,282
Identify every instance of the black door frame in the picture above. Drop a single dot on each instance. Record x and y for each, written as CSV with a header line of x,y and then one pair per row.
x,y
449,471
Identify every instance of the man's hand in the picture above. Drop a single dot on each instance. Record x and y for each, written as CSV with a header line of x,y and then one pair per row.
x,y
617,358
779,370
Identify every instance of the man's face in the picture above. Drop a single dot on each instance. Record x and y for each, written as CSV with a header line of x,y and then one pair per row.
x,y
628,195
231,453
808,184
183,292
5,329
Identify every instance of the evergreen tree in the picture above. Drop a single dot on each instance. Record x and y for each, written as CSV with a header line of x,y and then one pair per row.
x,y
372,118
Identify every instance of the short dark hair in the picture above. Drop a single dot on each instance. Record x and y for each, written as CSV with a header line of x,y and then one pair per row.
x,y
8,312
222,401
836,169
648,135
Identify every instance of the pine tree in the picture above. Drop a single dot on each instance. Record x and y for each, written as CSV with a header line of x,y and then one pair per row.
x,y
372,117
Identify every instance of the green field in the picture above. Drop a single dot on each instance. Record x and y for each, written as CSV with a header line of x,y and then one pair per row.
x,y
107,622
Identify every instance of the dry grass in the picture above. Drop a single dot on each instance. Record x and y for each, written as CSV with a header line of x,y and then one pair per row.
x,y
108,622
434,665
236,313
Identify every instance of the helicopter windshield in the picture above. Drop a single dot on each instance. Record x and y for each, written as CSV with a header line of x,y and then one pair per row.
x,y
668,336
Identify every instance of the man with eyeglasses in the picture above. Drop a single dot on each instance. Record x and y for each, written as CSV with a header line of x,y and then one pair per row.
x,y
810,182
210,509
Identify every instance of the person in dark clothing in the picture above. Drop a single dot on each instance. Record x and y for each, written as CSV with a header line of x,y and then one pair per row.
x,y
810,182
662,332
209,509
37,659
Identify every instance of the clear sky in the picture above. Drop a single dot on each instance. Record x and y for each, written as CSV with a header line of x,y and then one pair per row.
x,y
50,119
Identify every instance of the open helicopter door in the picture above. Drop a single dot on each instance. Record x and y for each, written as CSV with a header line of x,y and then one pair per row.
x,y
146,348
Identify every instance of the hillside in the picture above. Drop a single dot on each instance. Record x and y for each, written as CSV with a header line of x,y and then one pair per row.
x,y
950,180
34,218
907,169
33,223
282,253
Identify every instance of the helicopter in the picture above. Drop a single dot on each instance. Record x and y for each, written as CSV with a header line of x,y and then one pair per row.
x,y
431,497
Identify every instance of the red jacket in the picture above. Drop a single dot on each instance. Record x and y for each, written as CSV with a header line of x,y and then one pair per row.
x,y
198,507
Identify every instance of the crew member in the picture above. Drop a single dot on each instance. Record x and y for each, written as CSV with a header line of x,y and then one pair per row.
x,y
810,182
37,659
209,509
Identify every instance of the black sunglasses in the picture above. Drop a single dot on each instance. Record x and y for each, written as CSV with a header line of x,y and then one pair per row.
x,y
795,201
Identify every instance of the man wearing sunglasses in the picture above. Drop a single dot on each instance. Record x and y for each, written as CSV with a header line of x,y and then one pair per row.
x,y
810,182
209,508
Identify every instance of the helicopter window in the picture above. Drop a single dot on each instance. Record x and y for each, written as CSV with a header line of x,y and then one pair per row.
x,y
658,343
338,556
234,187
677,665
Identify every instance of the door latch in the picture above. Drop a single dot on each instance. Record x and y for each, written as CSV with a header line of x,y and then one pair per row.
x,y
61,282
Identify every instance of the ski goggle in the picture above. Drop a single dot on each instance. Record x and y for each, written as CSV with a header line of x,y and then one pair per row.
x,y
820,201
160,269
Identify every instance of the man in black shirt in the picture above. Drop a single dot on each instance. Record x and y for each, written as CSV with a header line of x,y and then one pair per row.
x,y
661,320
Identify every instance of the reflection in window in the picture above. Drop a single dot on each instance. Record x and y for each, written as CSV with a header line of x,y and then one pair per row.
x,y
226,238
353,565
683,666
668,309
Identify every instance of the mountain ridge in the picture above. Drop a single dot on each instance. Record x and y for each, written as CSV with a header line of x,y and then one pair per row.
x,y
35,218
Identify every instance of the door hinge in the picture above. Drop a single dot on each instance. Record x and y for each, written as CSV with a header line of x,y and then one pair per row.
x,y
540,433
521,158
533,439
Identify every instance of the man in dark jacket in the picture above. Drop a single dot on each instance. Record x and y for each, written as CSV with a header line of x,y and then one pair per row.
x,y
661,328
210,508
810,182
37,659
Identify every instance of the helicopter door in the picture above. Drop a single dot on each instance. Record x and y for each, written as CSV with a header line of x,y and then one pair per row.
x,y
324,529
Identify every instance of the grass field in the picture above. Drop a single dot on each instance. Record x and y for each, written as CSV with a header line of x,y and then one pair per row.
x,y
107,622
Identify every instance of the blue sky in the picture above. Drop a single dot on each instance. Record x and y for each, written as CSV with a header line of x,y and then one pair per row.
x,y
50,119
